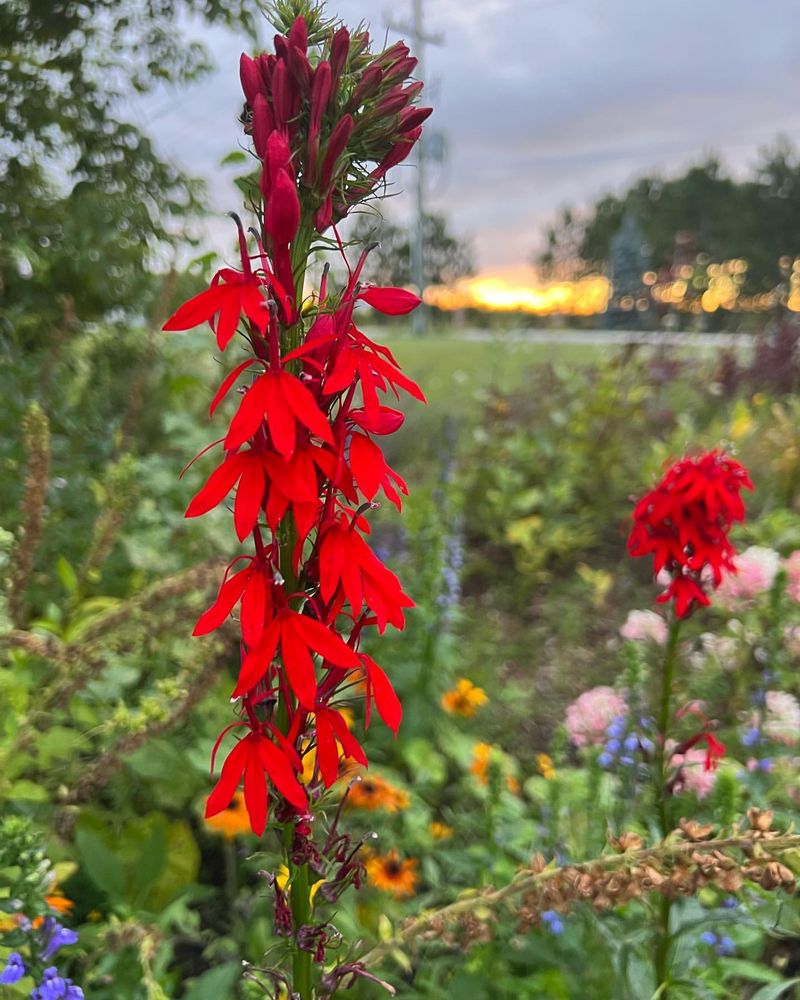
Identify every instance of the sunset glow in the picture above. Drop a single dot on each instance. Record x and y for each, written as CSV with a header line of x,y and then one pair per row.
x,y
519,290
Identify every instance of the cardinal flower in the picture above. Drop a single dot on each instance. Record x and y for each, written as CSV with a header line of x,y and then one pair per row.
x,y
231,294
684,524
297,636
254,762
284,402
252,586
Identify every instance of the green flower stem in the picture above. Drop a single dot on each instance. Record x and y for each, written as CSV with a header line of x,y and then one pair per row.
x,y
661,959
301,914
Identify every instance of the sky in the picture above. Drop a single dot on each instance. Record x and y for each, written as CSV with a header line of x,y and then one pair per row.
x,y
541,103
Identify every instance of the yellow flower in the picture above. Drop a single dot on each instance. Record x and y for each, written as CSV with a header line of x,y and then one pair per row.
x,y
440,831
282,879
391,874
375,792
231,821
545,765
480,762
464,699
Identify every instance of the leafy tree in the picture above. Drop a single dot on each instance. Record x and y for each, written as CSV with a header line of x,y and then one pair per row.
x,y
86,200
446,257
703,211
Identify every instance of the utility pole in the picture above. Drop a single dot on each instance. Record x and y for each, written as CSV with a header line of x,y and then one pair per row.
x,y
420,38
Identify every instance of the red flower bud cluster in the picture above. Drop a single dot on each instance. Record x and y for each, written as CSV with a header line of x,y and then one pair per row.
x,y
301,452
685,522
328,122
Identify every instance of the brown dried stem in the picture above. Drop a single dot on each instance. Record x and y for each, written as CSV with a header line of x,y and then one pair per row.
x,y
36,436
670,868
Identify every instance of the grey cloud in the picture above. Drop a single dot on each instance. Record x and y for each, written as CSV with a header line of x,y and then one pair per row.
x,y
551,101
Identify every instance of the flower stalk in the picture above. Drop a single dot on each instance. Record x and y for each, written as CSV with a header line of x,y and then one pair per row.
x,y
327,118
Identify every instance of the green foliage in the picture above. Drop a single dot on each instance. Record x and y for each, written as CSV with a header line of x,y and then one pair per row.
x,y
79,239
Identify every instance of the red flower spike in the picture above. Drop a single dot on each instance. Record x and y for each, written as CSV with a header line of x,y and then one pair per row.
x,y
283,401
684,523
297,636
301,441
238,294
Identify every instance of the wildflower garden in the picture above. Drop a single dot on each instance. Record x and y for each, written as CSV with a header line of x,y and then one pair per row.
x,y
442,670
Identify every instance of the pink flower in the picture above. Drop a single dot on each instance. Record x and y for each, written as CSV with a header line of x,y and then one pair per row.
x,y
792,566
694,776
756,569
590,715
644,626
783,718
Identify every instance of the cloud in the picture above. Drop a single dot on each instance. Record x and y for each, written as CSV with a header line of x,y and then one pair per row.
x,y
545,102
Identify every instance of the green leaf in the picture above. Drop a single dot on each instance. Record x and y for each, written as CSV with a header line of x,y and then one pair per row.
x,y
67,576
101,865
775,990
235,156
753,971
28,791
216,983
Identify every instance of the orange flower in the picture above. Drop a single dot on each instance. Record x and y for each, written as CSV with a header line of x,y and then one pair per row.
x,y
375,792
464,699
391,874
231,821
58,901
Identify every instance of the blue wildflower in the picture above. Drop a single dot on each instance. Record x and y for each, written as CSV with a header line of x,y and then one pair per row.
x,y
73,992
708,937
751,737
730,902
55,937
553,921
605,759
726,946
631,743
765,764
647,744
626,760
14,970
617,728
613,746
52,987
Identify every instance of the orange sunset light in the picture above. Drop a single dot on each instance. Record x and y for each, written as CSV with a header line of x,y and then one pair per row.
x,y
520,290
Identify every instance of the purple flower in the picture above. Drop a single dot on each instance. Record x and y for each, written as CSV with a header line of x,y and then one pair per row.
x,y
613,746
631,743
14,970
52,987
553,921
708,937
605,759
54,937
726,946
751,737
730,902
